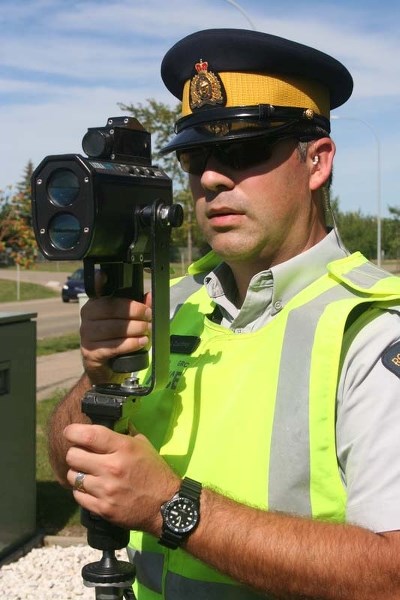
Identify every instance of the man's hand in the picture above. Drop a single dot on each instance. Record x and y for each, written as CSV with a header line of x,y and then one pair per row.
x,y
126,480
110,327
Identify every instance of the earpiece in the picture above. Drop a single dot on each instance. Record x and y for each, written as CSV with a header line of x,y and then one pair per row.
x,y
315,160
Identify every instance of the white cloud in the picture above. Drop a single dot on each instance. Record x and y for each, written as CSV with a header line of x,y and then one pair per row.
x,y
64,66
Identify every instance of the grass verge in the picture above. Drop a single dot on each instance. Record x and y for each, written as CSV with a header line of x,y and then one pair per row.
x,y
62,343
57,266
57,511
28,291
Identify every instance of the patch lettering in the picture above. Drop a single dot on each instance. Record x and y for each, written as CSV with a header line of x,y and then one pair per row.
x,y
391,359
183,344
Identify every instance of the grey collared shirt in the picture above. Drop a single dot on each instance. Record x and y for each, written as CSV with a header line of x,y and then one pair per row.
x,y
368,398
269,291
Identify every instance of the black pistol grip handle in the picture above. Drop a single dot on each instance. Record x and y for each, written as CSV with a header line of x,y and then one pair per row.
x,y
130,363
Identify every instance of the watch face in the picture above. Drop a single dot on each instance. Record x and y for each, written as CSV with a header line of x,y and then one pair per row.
x,y
181,515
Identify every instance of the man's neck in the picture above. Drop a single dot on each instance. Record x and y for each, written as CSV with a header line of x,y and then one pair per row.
x,y
244,271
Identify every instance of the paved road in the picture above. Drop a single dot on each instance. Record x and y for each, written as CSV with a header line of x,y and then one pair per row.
x,y
54,317
58,371
53,279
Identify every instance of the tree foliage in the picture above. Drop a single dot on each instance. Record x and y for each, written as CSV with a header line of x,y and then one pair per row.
x,y
17,239
392,232
357,231
159,119
360,232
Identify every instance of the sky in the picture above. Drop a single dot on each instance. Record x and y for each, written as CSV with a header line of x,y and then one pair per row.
x,y
66,64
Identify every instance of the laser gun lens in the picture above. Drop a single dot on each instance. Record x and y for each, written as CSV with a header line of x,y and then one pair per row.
x,y
63,187
64,231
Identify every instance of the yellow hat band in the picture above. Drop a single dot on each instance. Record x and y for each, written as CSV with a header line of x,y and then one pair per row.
x,y
248,89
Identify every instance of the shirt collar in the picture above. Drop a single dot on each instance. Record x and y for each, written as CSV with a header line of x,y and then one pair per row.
x,y
294,275
289,277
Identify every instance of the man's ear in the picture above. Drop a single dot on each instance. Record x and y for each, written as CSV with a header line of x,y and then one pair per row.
x,y
320,161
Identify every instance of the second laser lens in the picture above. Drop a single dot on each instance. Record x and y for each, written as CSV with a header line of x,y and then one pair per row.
x,y
64,231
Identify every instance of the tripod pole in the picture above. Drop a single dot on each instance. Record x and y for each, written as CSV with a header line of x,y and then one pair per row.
x,y
103,404
111,578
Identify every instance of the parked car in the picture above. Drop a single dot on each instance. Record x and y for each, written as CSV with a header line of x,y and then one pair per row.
x,y
73,286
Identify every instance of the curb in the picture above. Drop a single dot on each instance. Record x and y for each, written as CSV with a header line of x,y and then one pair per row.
x,y
39,540
64,541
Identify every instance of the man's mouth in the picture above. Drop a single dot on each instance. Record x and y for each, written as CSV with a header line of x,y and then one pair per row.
x,y
224,216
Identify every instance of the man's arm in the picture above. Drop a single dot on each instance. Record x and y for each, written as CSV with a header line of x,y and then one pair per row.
x,y
287,557
67,411
295,558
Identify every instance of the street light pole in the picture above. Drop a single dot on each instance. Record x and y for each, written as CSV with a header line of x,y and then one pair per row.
x,y
378,184
240,9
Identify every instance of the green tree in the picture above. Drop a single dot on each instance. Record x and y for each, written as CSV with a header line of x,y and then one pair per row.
x,y
159,119
357,231
391,230
16,234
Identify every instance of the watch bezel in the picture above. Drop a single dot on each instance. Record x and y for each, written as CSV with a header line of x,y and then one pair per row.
x,y
172,535
176,500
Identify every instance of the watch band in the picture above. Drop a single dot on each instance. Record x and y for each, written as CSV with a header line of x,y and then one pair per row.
x,y
170,539
190,489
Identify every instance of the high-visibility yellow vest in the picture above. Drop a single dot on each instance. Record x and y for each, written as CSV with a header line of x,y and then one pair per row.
x,y
253,414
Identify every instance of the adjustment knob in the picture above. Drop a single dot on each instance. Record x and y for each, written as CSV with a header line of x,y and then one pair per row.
x,y
175,215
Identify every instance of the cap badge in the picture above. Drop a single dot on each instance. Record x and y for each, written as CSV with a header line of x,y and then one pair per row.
x,y
206,87
218,128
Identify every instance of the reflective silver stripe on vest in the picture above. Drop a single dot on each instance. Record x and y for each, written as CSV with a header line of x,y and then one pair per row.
x,y
289,472
182,290
182,588
289,469
365,276
149,572
149,568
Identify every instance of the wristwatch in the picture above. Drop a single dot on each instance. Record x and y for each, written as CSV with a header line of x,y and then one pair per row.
x,y
181,514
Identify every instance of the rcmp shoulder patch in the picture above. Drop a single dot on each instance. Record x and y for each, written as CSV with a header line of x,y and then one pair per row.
x,y
391,359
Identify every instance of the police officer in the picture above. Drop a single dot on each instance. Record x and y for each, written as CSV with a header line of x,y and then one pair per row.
x,y
270,464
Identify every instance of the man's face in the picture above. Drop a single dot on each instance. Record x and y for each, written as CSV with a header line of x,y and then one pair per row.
x,y
261,215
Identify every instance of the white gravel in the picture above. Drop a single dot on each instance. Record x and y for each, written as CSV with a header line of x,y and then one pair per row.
x,y
50,573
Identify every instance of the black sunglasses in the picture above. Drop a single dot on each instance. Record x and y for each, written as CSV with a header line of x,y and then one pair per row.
x,y
236,155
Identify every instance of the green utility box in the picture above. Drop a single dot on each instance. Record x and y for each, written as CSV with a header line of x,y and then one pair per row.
x,y
17,430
